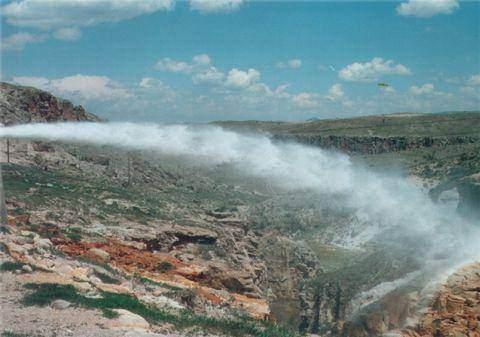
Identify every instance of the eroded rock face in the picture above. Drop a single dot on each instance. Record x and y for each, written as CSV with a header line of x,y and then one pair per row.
x,y
376,145
19,104
455,310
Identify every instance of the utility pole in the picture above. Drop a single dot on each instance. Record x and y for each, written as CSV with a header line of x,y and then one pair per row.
x,y
8,150
3,205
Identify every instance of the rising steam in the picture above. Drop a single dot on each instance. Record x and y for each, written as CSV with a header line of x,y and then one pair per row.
x,y
400,213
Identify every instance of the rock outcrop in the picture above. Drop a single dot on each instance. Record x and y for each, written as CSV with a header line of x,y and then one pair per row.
x,y
455,310
19,105
376,144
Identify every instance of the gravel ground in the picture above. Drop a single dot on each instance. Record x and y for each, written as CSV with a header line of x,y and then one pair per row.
x,y
46,321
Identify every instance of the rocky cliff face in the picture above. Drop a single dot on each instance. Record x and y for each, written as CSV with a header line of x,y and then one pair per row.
x,y
454,310
376,145
19,104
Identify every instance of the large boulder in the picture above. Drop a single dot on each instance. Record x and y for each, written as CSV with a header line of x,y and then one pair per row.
x,y
127,320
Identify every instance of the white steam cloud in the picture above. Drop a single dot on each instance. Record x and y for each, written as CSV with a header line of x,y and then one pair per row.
x,y
401,213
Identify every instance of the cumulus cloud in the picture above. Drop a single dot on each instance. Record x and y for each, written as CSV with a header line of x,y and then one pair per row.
x,y
292,64
372,71
64,17
80,86
54,14
242,79
149,82
67,34
210,75
425,89
215,6
306,100
169,65
18,41
36,82
202,60
335,92
173,66
153,86
474,80
427,8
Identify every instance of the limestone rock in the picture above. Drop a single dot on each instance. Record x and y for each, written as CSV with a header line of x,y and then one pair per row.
x,y
128,321
99,254
60,304
26,268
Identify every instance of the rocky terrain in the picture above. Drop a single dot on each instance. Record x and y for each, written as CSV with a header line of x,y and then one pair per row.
x,y
29,105
137,244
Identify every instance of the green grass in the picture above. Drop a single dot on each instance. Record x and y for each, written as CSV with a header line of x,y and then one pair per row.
x,y
440,124
159,284
44,294
11,266
105,278
15,334
110,314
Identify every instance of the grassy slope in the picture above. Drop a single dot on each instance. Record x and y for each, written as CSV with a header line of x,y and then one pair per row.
x,y
458,123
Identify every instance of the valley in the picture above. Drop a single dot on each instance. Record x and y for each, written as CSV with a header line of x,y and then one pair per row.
x,y
201,249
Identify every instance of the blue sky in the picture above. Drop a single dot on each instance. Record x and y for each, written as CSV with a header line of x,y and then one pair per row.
x,y
202,60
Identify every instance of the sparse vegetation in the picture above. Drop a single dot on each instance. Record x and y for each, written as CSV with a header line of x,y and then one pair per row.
x,y
164,267
105,278
8,333
44,294
11,266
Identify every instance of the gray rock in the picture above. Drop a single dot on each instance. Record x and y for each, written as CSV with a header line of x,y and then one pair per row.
x,y
26,268
60,304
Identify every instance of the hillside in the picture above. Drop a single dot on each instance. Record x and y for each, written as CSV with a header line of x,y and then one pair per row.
x,y
19,104
111,241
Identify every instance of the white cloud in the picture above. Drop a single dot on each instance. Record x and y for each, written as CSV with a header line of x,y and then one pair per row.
x,y
292,64
37,82
79,86
198,63
211,75
306,100
474,80
468,90
54,14
149,82
150,85
335,92
88,87
169,65
215,6
427,8
425,89
281,90
67,34
18,41
372,71
242,79
202,60
388,89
